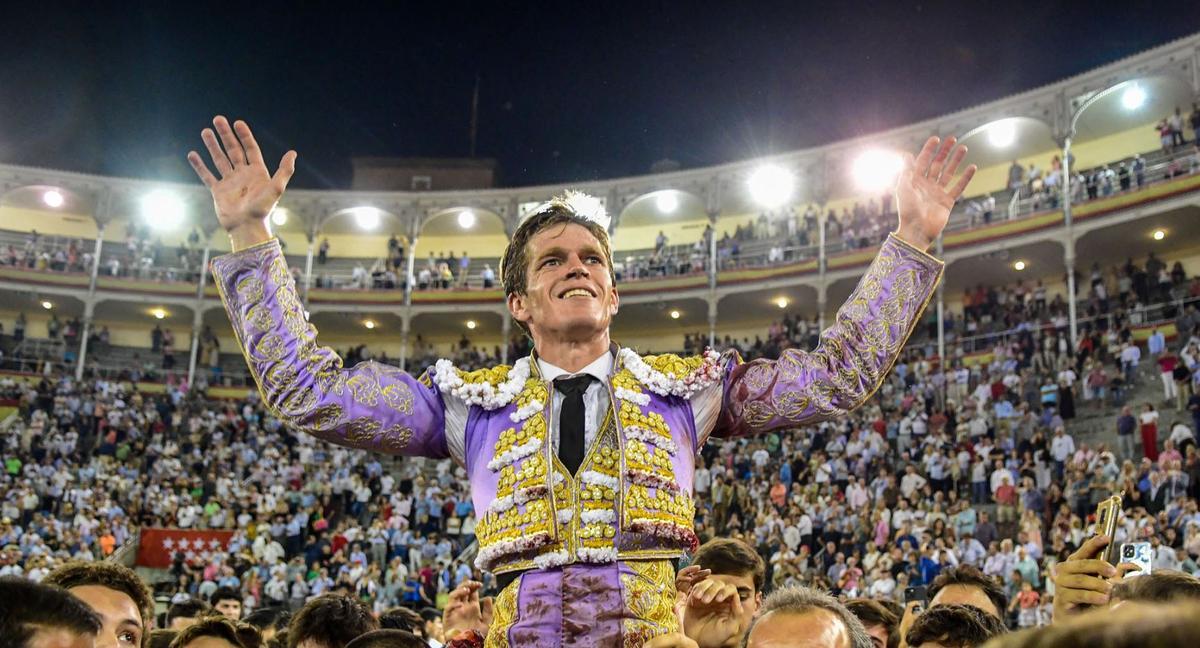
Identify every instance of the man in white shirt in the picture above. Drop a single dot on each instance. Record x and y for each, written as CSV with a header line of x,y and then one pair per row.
x,y
911,482
1062,446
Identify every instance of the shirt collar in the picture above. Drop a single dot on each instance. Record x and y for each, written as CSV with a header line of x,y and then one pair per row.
x,y
600,369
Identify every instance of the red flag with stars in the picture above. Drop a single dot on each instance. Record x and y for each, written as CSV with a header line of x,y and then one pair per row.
x,y
158,547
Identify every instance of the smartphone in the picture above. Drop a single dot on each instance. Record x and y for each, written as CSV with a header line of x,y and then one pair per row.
x,y
916,595
1107,513
1138,553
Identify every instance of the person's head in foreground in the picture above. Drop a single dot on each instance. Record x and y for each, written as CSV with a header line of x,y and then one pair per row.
x,y
879,620
217,631
402,618
1164,586
1132,625
953,626
962,585
228,602
388,639
799,617
330,621
269,621
162,638
735,563
185,613
115,593
558,273
41,616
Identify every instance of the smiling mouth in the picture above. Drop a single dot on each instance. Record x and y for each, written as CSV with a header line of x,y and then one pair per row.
x,y
575,293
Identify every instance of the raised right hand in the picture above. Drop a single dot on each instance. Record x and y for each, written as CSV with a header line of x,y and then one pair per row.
x,y
1084,580
246,192
713,614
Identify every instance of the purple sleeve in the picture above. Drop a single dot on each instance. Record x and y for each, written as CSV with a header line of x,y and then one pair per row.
x,y
370,406
851,360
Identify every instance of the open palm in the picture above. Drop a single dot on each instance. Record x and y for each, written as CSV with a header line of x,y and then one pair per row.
x,y
246,191
926,190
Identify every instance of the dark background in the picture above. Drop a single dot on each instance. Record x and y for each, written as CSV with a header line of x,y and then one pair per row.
x,y
568,91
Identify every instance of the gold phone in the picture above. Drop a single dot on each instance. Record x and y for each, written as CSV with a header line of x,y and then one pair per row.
x,y
1107,513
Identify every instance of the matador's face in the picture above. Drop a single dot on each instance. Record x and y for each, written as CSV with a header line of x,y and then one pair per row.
x,y
569,292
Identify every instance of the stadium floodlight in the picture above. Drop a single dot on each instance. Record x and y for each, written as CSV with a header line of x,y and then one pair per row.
x,y
279,216
370,324
1133,97
47,305
675,314
782,302
466,219
366,217
163,209
667,202
471,324
771,185
1002,133
53,198
1159,235
158,313
1019,265
876,170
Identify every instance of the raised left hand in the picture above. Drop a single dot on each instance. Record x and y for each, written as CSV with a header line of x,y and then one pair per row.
x,y
466,611
926,190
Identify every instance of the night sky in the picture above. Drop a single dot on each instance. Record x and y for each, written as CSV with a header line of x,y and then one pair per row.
x,y
569,91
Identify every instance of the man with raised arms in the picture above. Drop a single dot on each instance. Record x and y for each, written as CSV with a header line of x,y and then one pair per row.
x,y
581,456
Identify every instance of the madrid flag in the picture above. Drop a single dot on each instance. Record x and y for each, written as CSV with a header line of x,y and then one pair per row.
x,y
159,546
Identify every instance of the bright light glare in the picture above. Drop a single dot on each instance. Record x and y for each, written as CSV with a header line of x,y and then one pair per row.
x,y
1133,97
369,324
1003,133
471,324
163,209
782,302
366,217
876,170
674,314
47,305
1159,235
667,202
53,198
1019,265
158,313
279,216
771,186
466,219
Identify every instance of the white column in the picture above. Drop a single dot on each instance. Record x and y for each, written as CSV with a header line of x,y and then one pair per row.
x,y
197,320
712,322
941,311
505,333
308,263
1069,261
822,290
89,303
405,323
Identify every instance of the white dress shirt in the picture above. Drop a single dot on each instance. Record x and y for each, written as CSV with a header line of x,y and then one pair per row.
x,y
706,406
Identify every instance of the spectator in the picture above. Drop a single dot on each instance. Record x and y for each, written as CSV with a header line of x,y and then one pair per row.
x,y
217,632
1149,429
37,616
184,613
880,620
323,251
228,602
732,591
116,594
801,612
954,626
330,621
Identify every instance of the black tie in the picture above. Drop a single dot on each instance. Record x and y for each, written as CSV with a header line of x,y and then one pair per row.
x,y
570,420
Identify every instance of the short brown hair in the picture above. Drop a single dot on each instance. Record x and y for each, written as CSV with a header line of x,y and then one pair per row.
x,y
113,576
1134,625
961,626
970,576
514,265
332,620
242,635
388,639
1158,587
733,558
874,613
